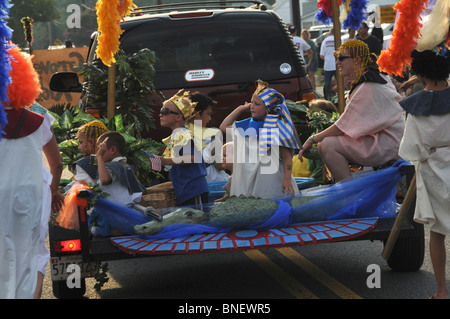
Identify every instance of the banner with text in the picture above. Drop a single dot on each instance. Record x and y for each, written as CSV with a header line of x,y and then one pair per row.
x,y
48,62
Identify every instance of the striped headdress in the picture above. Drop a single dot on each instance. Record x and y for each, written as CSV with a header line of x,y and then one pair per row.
x,y
278,128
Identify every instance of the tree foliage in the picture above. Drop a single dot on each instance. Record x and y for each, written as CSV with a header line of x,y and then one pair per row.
x,y
39,10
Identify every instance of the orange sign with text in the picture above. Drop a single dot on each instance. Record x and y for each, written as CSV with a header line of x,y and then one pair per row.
x,y
47,62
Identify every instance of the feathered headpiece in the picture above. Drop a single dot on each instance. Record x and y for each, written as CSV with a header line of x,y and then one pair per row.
x,y
109,14
409,33
25,86
354,10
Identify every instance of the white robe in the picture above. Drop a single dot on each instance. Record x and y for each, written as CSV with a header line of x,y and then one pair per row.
x,y
20,214
254,175
47,177
426,143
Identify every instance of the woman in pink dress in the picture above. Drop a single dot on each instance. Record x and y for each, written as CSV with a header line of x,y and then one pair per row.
x,y
370,129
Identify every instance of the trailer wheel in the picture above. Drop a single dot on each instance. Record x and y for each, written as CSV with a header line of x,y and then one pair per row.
x,y
408,252
61,291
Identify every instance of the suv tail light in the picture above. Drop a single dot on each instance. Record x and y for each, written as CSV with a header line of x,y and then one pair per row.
x,y
68,245
309,96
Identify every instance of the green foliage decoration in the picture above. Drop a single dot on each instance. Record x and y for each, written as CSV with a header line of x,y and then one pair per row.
x,y
133,89
68,119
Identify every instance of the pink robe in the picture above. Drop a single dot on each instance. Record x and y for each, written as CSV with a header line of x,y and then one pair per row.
x,y
372,124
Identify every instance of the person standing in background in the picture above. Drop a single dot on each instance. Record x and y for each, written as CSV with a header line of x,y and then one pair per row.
x,y
312,63
303,47
372,42
329,66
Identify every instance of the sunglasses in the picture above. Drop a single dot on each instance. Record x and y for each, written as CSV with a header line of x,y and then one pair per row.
x,y
343,57
165,111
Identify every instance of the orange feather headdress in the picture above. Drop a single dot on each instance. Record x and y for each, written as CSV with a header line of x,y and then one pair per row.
x,y
25,86
404,37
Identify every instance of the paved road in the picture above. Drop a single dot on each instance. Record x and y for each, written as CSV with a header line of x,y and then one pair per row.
x,y
325,271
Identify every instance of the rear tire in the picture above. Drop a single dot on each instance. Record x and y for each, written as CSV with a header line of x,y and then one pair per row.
x,y
61,291
408,252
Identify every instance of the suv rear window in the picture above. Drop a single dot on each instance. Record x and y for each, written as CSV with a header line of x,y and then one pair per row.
x,y
213,50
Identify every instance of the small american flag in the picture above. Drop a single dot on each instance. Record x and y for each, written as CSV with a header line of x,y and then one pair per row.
x,y
156,162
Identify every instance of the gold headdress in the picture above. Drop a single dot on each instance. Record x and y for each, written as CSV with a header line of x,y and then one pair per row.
x,y
356,48
184,104
92,130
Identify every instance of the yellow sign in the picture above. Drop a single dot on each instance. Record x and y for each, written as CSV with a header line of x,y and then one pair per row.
x,y
47,62
387,14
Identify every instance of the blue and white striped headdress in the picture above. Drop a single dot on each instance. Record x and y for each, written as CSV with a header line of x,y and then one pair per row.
x,y
278,128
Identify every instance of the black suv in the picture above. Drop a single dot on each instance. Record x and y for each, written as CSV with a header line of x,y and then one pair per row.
x,y
218,51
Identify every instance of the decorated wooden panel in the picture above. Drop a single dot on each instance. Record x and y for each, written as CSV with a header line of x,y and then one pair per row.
x,y
298,234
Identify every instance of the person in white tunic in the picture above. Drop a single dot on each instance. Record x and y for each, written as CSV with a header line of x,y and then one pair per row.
x,y
52,198
21,183
263,146
426,143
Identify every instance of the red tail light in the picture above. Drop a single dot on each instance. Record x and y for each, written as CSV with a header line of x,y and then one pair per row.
x,y
308,96
68,245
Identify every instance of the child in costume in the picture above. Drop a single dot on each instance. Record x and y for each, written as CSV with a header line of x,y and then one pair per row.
x,y
426,143
21,187
85,172
182,154
211,137
263,146
85,169
369,131
227,164
116,178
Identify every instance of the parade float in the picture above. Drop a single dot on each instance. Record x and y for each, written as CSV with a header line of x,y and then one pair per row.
x,y
366,207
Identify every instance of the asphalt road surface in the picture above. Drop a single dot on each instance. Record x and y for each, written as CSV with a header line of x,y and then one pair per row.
x,y
342,270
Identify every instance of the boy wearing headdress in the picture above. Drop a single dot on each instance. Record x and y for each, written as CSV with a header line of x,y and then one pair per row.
x,y
183,154
263,146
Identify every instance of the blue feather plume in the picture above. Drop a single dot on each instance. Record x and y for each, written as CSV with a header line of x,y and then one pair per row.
x,y
356,15
321,16
5,65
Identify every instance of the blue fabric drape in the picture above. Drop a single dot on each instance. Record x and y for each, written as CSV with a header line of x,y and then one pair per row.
x,y
366,195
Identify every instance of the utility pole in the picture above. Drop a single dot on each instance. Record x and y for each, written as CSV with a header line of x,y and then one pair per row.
x,y
296,14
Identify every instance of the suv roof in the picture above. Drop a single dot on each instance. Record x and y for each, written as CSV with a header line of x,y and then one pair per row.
x,y
221,43
219,52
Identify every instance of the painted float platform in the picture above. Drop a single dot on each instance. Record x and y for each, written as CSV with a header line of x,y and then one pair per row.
x,y
294,235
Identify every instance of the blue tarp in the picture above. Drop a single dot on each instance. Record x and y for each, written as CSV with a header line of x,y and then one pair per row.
x,y
364,195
